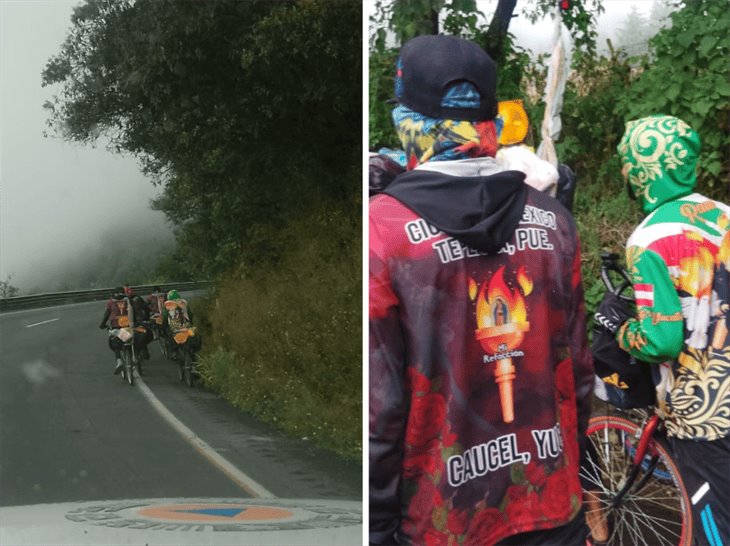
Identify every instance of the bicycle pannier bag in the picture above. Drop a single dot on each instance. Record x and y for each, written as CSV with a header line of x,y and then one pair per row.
x,y
628,382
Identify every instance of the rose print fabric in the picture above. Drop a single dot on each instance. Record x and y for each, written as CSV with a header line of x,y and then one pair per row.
x,y
480,375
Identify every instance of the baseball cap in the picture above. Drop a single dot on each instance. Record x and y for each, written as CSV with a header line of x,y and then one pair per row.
x,y
428,65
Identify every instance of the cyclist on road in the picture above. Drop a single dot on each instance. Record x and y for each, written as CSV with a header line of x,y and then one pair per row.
x,y
176,312
480,374
142,320
119,313
156,302
679,261
156,306
177,316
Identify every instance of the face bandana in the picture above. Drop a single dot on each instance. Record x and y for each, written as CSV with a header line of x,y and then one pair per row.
x,y
428,139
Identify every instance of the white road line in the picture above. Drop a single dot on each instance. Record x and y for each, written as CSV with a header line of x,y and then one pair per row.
x,y
242,480
43,322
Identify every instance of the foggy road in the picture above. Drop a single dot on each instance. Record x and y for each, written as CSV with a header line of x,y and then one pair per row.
x,y
71,431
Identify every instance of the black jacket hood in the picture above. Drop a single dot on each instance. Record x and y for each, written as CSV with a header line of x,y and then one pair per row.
x,y
482,212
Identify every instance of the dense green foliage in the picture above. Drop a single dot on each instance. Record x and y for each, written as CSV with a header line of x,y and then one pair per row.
x,y
287,339
592,126
231,106
688,76
380,88
688,79
249,116
409,18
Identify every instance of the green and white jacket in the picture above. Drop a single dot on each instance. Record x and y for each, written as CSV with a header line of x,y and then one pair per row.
x,y
679,261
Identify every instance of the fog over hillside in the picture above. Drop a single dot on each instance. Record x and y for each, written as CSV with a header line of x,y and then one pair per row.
x,y
58,201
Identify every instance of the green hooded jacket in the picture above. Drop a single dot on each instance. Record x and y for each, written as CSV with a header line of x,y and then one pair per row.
x,y
678,258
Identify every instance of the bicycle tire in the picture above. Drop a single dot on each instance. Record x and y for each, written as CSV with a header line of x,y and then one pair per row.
x,y
163,347
659,513
189,377
181,365
128,367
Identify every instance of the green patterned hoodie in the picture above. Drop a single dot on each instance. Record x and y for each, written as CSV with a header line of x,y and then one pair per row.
x,y
679,261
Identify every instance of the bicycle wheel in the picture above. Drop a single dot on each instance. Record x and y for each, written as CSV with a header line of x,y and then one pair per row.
x,y
128,366
180,365
163,347
189,373
655,510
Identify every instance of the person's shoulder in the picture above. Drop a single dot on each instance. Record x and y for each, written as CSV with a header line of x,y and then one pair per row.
x,y
537,198
384,204
382,171
388,215
543,212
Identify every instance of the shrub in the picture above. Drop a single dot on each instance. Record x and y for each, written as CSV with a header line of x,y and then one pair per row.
x,y
286,337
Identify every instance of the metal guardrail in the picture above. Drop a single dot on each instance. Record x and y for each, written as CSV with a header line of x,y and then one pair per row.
x,y
78,296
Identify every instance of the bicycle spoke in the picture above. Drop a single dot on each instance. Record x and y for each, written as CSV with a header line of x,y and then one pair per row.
x,y
595,476
633,523
653,514
620,524
627,526
669,501
654,524
631,526
640,522
657,501
658,520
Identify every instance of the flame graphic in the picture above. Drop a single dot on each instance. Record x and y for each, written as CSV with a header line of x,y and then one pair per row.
x,y
696,273
472,289
502,323
524,281
501,315
723,255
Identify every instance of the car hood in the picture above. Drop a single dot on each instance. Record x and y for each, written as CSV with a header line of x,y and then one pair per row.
x,y
163,522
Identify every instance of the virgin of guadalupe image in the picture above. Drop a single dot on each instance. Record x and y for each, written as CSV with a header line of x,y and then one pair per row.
x,y
500,312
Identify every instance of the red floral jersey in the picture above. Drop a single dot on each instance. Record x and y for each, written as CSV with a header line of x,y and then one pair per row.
x,y
480,376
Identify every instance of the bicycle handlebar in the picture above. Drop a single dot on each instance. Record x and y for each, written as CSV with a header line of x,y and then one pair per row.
x,y
609,262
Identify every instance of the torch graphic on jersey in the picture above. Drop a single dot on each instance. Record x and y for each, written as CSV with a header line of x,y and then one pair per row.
x,y
501,325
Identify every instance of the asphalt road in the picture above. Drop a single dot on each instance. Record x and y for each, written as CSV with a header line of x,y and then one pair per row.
x,y
71,431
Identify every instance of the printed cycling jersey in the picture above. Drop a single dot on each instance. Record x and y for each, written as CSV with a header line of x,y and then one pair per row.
x,y
679,258
480,377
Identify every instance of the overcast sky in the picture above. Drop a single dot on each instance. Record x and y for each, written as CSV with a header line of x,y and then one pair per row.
x,y
56,198
538,37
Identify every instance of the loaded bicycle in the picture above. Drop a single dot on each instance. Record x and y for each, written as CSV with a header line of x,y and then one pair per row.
x,y
130,358
635,494
186,342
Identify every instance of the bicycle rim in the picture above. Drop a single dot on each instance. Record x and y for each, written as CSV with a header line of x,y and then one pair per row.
x,y
128,366
189,378
659,513
181,365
